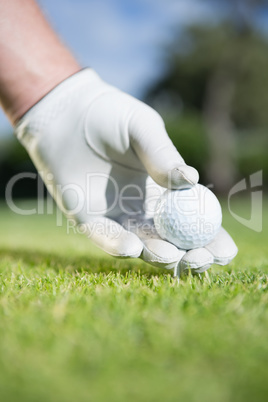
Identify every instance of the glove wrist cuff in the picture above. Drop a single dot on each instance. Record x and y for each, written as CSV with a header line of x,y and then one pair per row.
x,y
60,101
84,78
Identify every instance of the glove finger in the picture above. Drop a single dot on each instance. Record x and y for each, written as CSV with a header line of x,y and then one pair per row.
x,y
161,254
157,152
220,251
156,251
223,248
112,238
195,261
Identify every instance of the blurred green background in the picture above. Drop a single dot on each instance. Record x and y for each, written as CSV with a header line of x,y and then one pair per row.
x,y
214,99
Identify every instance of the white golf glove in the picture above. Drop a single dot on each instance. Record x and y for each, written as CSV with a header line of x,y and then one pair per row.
x,y
94,147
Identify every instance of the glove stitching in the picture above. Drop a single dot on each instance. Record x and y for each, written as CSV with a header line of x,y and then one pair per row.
x,y
185,178
158,258
195,265
224,260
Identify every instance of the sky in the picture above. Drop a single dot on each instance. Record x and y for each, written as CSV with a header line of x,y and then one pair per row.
x,y
122,39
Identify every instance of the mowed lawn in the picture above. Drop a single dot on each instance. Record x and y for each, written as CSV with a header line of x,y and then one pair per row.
x,y
76,325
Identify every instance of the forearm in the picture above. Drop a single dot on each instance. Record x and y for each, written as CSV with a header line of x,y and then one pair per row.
x,y
32,58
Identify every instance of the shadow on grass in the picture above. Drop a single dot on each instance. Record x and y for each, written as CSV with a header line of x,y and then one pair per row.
x,y
72,264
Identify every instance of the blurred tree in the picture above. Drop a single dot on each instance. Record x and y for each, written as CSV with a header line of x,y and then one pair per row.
x,y
220,72
15,160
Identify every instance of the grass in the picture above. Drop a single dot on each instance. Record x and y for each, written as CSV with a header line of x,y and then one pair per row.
x,y
76,324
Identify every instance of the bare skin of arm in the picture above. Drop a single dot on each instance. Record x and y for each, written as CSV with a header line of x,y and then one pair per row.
x,y
32,58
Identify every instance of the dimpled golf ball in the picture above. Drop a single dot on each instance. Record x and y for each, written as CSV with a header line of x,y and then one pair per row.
x,y
188,218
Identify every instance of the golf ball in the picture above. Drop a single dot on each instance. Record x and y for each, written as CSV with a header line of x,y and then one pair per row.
x,y
188,218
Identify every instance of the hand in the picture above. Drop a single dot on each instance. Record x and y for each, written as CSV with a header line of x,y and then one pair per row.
x,y
94,147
